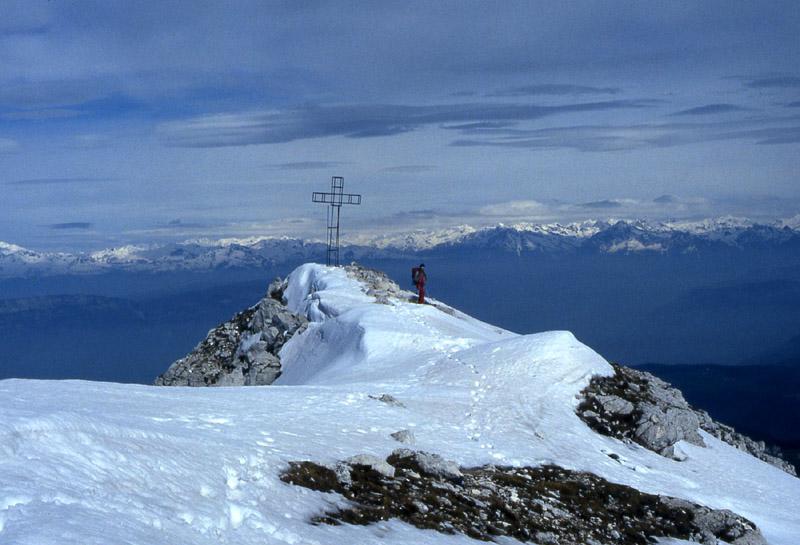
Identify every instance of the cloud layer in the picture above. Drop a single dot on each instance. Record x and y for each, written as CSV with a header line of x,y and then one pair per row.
x,y
228,114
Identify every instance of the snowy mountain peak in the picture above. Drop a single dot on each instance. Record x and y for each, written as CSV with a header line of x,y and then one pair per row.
x,y
407,396
7,248
607,236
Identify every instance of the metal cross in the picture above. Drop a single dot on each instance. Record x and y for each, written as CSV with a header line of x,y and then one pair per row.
x,y
336,198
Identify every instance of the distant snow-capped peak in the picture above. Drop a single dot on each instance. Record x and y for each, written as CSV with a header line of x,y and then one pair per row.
x,y
608,236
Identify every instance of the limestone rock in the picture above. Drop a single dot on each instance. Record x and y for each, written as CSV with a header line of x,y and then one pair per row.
x,y
636,406
405,436
425,463
242,351
389,400
372,462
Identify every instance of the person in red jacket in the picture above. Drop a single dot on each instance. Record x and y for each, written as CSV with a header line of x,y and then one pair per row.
x,y
420,278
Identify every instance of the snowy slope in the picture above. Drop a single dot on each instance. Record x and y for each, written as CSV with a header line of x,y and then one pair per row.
x,y
101,463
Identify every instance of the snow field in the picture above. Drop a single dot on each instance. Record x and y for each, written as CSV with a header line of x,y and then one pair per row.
x,y
100,463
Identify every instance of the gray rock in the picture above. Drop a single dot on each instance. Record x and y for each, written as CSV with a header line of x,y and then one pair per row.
x,y
242,351
425,463
374,283
276,289
234,378
662,427
636,406
615,405
389,400
405,436
373,462
718,524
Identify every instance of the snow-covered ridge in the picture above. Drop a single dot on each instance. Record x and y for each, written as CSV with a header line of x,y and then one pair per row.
x,y
608,236
84,462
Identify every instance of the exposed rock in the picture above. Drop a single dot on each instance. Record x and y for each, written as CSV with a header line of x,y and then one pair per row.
x,y
389,400
425,463
405,436
377,284
541,505
636,406
243,351
372,462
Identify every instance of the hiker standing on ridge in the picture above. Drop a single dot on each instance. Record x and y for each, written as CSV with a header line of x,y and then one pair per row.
x,y
420,278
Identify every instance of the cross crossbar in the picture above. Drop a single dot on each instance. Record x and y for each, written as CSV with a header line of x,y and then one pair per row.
x,y
336,199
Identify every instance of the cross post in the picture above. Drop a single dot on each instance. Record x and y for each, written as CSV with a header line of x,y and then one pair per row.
x,y
336,198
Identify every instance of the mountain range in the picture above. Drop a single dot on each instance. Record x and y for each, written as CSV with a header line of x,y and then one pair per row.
x,y
593,237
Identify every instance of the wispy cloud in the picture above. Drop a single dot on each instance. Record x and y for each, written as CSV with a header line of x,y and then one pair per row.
x,y
58,181
71,225
710,109
41,114
410,169
309,165
606,204
775,82
555,89
358,121
663,207
599,138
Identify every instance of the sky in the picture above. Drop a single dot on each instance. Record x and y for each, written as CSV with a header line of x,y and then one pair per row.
x,y
154,121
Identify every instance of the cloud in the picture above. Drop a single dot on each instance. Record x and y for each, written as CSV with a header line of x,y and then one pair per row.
x,y
410,169
602,205
357,121
309,165
776,82
557,89
515,209
27,95
673,200
58,181
71,225
480,126
52,113
180,224
665,199
602,138
778,135
710,109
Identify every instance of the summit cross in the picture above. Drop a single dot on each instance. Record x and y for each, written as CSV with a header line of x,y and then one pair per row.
x,y
336,198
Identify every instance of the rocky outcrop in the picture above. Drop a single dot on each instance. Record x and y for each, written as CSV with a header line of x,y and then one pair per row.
x,y
374,283
636,406
545,505
244,350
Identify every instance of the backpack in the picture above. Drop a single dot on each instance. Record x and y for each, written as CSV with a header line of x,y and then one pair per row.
x,y
415,275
